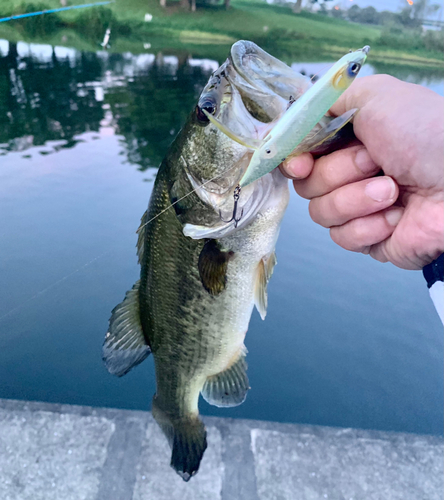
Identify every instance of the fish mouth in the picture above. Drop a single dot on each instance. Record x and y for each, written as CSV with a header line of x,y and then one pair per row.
x,y
265,84
247,94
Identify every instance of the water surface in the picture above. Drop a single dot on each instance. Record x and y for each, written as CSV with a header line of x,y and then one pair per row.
x,y
347,341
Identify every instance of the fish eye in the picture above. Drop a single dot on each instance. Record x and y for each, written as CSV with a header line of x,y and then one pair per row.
x,y
353,69
209,106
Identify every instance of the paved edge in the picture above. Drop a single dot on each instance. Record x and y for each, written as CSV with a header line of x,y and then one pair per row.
x,y
118,476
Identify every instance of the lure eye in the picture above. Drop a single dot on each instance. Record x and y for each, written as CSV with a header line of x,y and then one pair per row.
x,y
209,106
353,69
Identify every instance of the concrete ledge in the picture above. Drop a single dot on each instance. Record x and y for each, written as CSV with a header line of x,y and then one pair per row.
x,y
63,452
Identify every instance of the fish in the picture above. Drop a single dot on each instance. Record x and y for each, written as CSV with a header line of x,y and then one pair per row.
x,y
287,135
201,276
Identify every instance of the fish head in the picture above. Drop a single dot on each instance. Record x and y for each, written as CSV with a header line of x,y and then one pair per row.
x,y
247,94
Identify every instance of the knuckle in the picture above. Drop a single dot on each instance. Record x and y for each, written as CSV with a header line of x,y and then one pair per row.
x,y
315,211
339,204
328,172
360,232
343,237
383,80
302,190
378,254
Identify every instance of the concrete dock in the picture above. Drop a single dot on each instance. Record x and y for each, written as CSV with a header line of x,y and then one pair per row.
x,y
63,452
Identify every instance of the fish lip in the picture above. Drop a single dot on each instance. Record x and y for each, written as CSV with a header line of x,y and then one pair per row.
x,y
243,45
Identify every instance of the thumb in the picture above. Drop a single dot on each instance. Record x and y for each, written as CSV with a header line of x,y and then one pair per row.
x,y
360,92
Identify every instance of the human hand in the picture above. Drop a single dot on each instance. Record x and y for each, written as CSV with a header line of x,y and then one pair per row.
x,y
398,217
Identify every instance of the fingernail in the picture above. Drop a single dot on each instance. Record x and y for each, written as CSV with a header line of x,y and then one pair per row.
x,y
381,189
364,162
393,216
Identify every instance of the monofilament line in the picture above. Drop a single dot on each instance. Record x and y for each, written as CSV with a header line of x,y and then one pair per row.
x,y
41,292
177,201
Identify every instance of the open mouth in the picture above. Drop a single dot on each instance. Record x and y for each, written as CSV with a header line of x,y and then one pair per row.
x,y
265,83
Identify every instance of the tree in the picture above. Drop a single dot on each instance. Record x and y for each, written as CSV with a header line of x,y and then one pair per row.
x,y
297,6
422,8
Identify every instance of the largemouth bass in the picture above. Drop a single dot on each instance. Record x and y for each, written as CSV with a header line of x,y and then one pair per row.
x,y
288,134
201,276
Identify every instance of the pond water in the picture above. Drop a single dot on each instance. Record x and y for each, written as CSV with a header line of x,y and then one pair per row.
x,y
347,341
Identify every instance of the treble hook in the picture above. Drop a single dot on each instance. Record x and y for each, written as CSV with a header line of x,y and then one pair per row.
x,y
236,196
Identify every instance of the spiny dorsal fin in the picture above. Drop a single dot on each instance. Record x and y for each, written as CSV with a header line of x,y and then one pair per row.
x,y
228,388
125,345
263,275
141,238
212,265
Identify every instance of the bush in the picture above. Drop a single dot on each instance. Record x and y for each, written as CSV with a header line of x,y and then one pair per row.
x,y
36,25
434,40
397,38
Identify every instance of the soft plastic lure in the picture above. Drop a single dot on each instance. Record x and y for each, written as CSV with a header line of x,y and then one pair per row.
x,y
301,117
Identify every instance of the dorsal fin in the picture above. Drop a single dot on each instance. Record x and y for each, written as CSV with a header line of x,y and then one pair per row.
x,y
125,345
230,387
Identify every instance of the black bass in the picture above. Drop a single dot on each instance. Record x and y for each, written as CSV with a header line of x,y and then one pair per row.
x,y
201,274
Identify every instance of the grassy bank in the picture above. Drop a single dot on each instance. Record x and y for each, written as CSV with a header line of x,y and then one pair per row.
x,y
276,28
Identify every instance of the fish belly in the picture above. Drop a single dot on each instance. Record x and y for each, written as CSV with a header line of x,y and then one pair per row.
x,y
198,335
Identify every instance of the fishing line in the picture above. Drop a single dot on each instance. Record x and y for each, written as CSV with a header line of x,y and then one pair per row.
x,y
61,280
41,292
52,11
177,201
319,72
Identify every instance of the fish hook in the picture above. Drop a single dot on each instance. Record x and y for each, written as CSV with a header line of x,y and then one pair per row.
x,y
236,196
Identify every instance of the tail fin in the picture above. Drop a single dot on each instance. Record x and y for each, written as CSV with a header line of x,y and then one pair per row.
x,y
188,440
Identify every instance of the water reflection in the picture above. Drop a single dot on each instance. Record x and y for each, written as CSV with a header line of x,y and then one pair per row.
x,y
49,94
56,93
347,342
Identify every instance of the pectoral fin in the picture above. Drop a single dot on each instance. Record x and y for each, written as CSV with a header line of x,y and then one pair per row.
x,y
213,263
125,345
263,275
243,141
230,387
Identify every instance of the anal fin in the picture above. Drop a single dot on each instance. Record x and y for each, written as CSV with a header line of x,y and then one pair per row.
x,y
230,387
125,346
